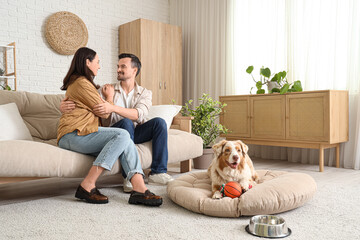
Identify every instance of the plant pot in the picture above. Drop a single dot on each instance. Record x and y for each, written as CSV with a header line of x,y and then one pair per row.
x,y
272,85
204,161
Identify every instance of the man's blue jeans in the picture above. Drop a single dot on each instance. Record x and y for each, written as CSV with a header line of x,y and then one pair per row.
x,y
107,145
155,129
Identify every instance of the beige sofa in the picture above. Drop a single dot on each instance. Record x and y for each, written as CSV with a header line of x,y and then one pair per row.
x,y
41,157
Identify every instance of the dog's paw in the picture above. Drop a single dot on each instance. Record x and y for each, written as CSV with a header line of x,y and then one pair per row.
x,y
217,195
245,186
255,178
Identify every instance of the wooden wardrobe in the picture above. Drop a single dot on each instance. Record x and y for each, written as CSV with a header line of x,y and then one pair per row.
x,y
159,48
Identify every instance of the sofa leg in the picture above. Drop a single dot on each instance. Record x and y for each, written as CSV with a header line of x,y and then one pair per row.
x,y
185,166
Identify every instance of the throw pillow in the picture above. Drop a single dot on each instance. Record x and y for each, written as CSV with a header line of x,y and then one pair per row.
x,y
166,112
11,124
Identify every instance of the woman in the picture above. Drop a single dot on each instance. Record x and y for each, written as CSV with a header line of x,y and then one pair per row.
x,y
79,131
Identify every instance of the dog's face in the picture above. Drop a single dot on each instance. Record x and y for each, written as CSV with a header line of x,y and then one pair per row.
x,y
230,154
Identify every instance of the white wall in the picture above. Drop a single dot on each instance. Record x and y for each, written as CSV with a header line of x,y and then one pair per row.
x,y
41,69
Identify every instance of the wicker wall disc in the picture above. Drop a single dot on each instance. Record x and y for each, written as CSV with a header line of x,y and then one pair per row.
x,y
66,32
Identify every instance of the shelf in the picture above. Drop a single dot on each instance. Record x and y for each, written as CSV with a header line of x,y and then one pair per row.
x,y
5,47
9,74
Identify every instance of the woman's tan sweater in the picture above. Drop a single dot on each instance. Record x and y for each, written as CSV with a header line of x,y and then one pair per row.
x,y
85,96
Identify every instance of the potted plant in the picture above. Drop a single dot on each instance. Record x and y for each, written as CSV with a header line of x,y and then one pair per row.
x,y
204,125
278,82
3,86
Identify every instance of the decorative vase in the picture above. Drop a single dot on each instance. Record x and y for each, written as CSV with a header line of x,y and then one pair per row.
x,y
204,161
272,85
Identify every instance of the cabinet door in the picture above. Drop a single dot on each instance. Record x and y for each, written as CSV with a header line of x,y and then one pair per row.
x,y
150,75
170,67
307,116
236,116
268,117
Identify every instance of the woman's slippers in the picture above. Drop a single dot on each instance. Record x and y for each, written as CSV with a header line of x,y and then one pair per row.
x,y
148,198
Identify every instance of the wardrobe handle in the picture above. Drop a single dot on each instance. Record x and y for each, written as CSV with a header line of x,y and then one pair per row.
x,y
164,85
159,85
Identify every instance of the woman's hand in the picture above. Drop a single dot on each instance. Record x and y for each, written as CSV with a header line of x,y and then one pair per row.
x,y
103,109
66,105
108,92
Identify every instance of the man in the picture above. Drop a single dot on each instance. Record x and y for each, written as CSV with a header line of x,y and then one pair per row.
x,y
131,106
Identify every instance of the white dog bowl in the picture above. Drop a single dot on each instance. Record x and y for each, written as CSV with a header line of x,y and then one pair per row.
x,y
268,226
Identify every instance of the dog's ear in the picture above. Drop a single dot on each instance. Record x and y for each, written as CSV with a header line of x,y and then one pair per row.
x,y
244,147
217,148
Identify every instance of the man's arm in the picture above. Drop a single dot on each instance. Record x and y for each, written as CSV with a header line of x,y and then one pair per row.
x,y
66,105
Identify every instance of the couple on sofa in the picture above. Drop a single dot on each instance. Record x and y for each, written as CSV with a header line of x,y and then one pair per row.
x,y
125,106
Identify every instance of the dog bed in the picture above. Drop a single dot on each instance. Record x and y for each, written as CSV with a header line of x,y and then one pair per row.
x,y
276,192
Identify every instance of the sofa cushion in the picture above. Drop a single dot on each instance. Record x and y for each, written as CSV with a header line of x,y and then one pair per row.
x,y
43,160
11,124
276,192
40,112
166,112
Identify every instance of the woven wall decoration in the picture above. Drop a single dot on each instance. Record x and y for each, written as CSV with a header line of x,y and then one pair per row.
x,y
66,32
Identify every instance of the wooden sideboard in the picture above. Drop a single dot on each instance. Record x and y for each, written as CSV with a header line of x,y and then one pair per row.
x,y
312,119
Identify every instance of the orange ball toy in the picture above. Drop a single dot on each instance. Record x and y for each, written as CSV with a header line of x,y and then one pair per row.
x,y
232,189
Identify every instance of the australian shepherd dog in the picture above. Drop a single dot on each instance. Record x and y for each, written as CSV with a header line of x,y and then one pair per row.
x,y
231,163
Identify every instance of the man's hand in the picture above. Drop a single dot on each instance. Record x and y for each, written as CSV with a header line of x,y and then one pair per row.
x,y
108,92
66,105
103,109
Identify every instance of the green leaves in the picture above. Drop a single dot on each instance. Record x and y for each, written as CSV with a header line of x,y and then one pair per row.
x,y
250,69
5,87
285,88
259,85
278,77
297,86
265,72
275,90
203,124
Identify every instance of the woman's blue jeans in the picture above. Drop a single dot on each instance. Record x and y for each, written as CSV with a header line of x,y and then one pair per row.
x,y
107,145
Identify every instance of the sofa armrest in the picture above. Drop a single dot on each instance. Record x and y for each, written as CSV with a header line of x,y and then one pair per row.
x,y
182,123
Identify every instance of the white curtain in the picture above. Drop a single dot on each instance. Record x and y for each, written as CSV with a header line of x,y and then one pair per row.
x,y
207,34
259,40
317,42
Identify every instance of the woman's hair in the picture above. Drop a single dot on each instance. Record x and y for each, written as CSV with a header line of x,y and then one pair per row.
x,y
79,68
135,62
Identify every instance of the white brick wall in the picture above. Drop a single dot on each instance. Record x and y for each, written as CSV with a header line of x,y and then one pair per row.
x,y
41,69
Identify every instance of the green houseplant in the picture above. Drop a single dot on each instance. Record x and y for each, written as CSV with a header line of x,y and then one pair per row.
x,y
204,124
3,86
278,82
